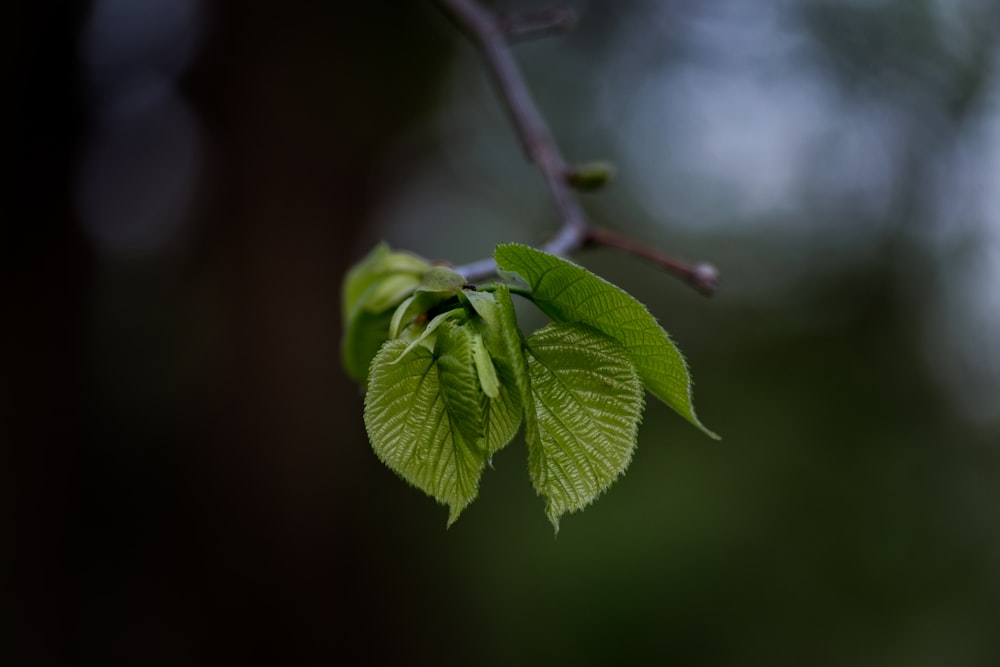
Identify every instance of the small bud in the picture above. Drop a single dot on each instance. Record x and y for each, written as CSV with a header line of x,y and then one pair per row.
x,y
705,278
590,176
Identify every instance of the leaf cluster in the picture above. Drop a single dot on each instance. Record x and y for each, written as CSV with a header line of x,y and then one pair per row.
x,y
451,379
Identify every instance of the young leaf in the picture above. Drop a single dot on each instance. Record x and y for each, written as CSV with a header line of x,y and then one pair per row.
x,y
588,401
388,292
484,367
381,263
363,337
407,312
372,289
497,323
463,399
503,419
506,347
569,293
426,337
438,285
415,431
501,338
442,281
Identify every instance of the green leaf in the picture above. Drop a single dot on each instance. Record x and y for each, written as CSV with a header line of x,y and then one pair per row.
x,y
442,281
372,271
501,340
484,304
569,293
388,292
588,401
505,344
415,430
437,286
426,337
408,311
372,290
484,367
497,324
503,419
465,402
364,336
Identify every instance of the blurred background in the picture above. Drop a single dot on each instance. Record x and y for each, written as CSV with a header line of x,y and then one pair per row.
x,y
187,475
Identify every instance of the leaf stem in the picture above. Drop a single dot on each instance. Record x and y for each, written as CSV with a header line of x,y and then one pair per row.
x,y
490,35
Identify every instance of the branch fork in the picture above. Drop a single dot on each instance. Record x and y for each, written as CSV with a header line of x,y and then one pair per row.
x,y
492,36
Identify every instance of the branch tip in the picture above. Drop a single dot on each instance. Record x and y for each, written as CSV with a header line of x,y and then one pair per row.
x,y
704,278
531,25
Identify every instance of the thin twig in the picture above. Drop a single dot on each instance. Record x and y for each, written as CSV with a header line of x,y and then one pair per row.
x,y
527,120
703,277
491,35
532,25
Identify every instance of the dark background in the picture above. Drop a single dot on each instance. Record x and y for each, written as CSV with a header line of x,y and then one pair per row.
x,y
189,479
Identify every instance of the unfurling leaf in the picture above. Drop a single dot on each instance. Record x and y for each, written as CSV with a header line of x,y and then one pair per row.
x,y
463,400
426,337
500,340
438,285
569,293
392,274
364,335
484,367
373,289
442,281
587,400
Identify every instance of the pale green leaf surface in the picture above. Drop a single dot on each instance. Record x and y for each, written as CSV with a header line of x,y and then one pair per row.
x,y
372,289
484,367
503,419
506,346
438,285
377,265
408,311
413,431
489,422
569,293
442,280
463,399
484,303
588,402
388,292
502,339
426,337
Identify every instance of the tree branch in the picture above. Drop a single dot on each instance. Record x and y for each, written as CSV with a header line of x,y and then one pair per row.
x,y
536,24
702,277
490,35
